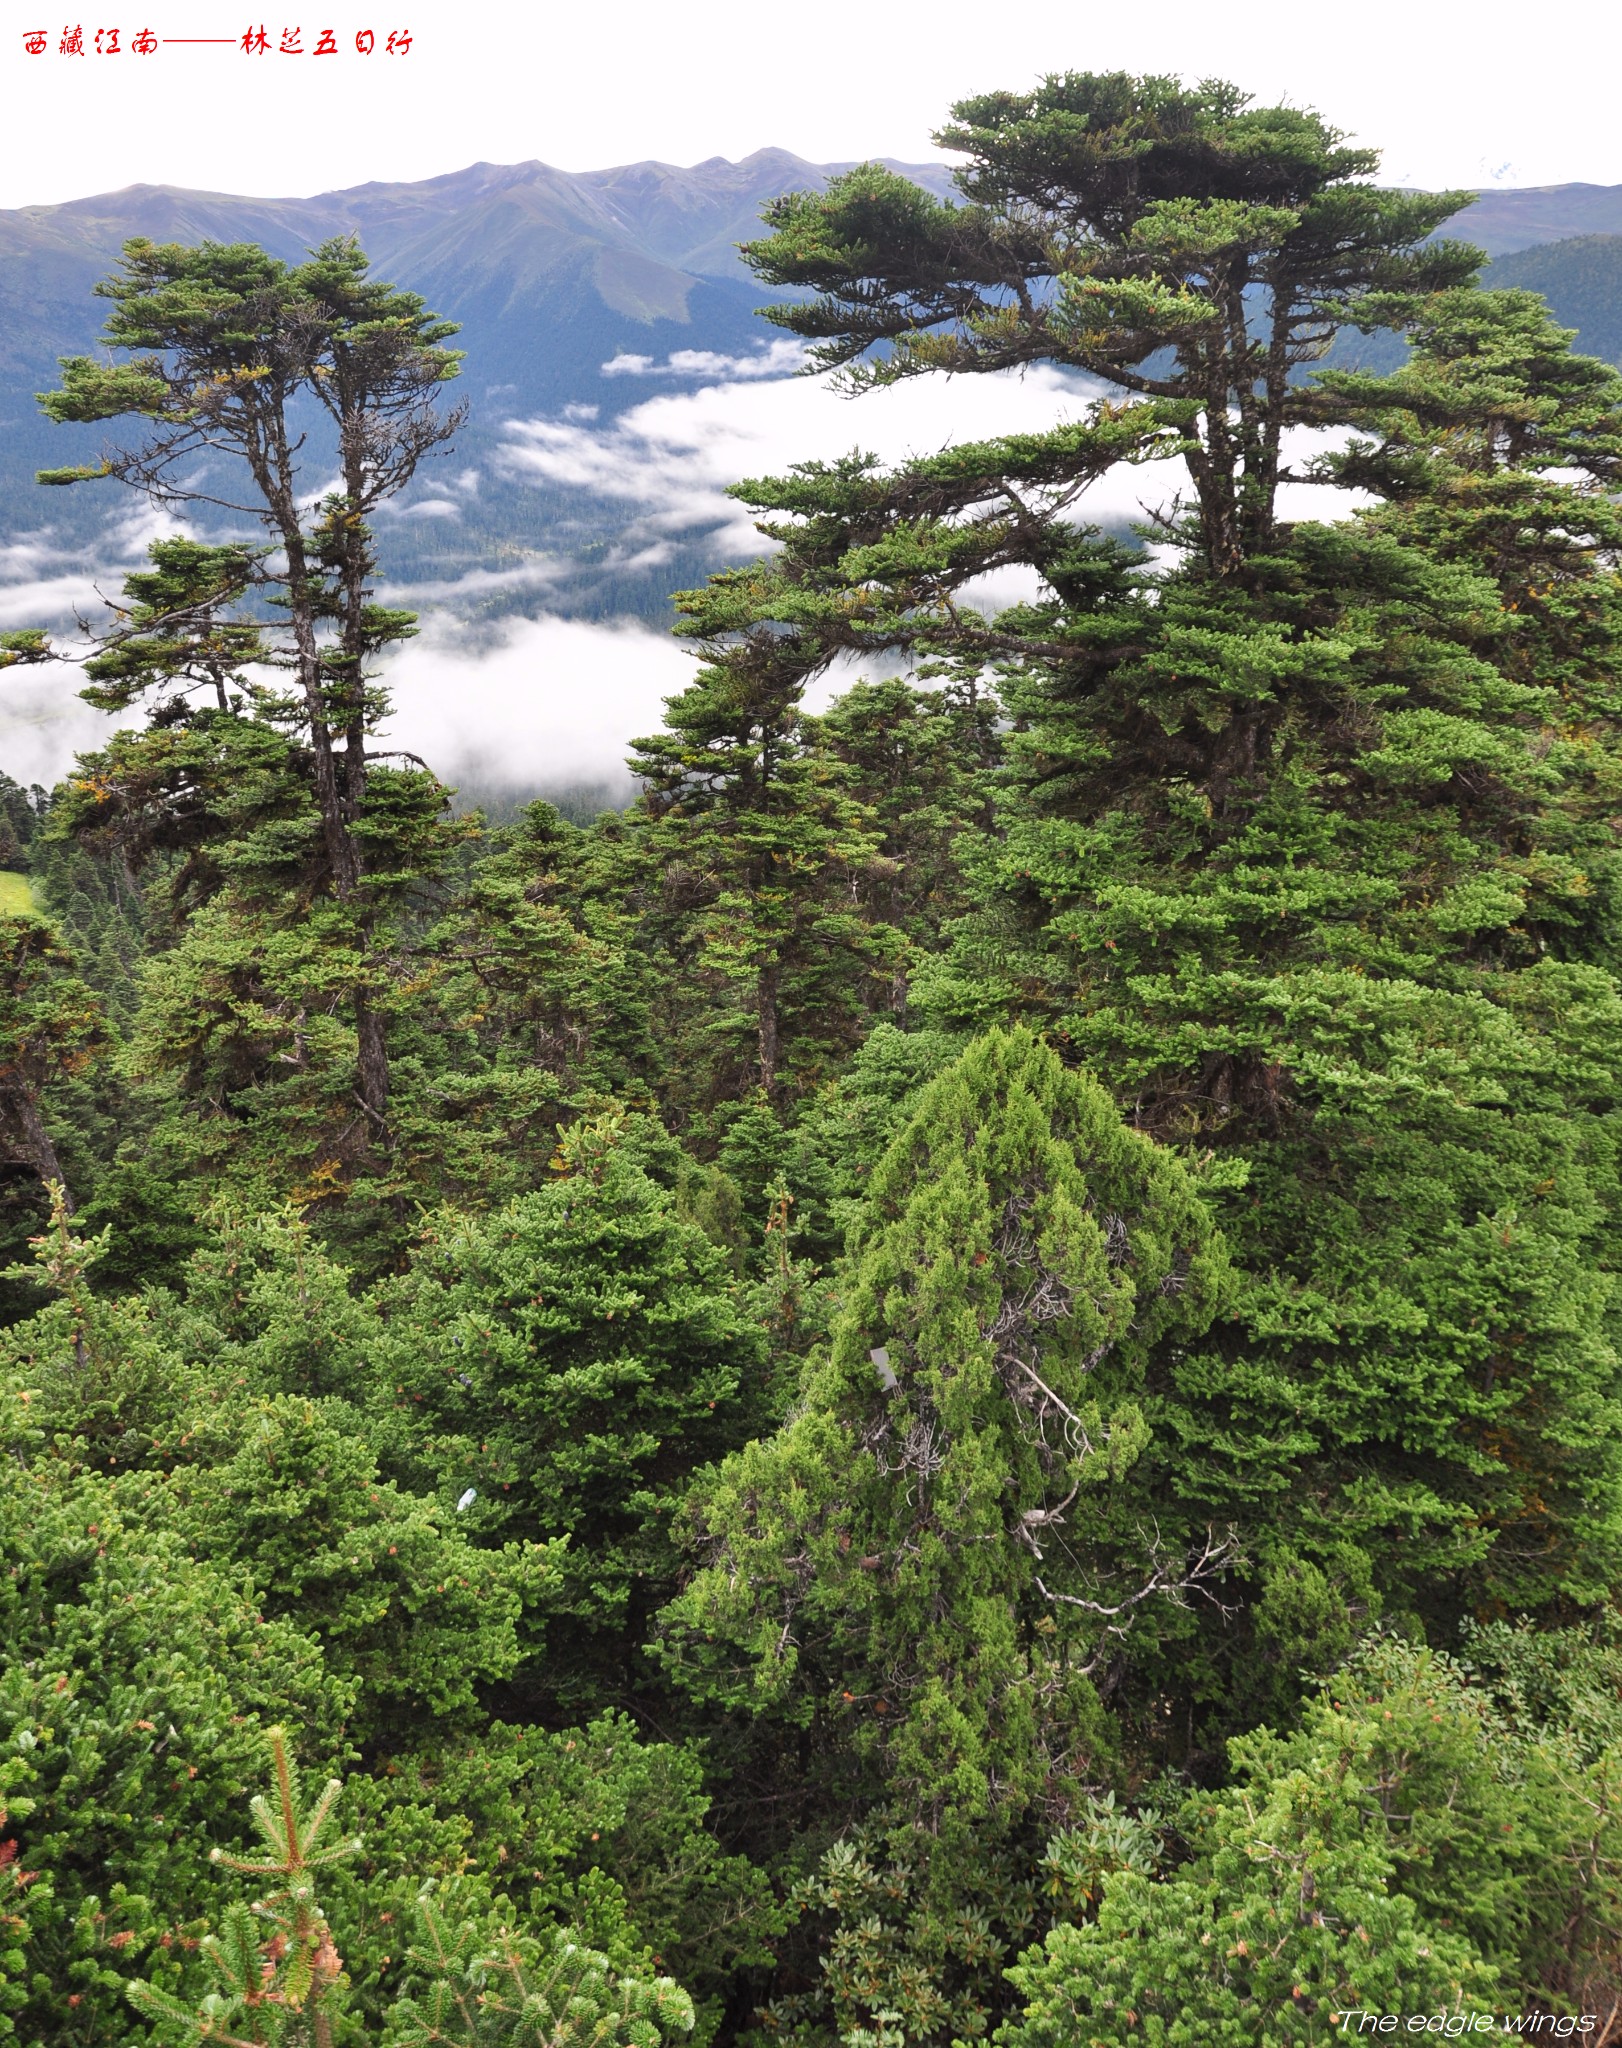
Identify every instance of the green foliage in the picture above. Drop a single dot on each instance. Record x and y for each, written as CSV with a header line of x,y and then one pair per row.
x,y
1391,1016
887,1951
25,1900
1304,837
282,1487
558,1370
498,1986
590,1828
486,1981
51,1028
845,1129
1284,1923
757,864
172,634
137,1683
818,1384
281,1987
931,1560
1110,222
422,1617
1409,1849
226,343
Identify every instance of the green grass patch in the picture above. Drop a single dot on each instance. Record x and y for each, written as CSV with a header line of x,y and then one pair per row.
x,y
16,894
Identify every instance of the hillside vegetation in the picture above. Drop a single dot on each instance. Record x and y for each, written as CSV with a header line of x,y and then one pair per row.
x,y
959,1380
1581,279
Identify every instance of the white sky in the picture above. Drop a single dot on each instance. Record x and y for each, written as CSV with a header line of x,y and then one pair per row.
x,y
1453,93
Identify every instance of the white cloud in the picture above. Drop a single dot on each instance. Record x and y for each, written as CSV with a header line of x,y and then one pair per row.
x,y
545,701
425,508
673,456
777,359
48,600
43,724
50,581
47,579
538,704
529,704
479,583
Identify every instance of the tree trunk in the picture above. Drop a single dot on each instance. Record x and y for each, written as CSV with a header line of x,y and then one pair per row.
x,y
766,1011
275,474
372,1067
33,1142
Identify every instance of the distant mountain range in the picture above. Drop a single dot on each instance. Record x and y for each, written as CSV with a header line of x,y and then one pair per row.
x,y
551,274
554,275
1504,222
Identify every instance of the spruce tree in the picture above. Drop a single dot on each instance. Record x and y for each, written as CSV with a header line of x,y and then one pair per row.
x,y
473,1982
921,761
282,1986
51,1028
756,866
556,1370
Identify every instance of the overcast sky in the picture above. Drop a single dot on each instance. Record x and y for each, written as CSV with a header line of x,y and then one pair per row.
x,y
1453,94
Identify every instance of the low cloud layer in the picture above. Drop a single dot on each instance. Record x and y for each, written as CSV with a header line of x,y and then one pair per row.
x,y
46,581
777,359
544,703
670,459
541,701
43,724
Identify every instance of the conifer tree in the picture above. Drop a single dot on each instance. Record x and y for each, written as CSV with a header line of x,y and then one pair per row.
x,y
757,858
474,1983
225,344
921,761
1305,841
1180,242
558,1369
1419,1841
517,1990
939,1554
283,1986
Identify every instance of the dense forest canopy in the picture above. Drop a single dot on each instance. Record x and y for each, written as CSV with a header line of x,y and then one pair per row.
x,y
959,1379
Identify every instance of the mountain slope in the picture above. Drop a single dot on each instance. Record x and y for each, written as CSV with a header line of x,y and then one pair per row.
x,y
516,247
1582,281
1502,223
550,273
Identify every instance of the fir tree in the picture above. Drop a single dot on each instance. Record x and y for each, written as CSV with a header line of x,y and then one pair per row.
x,y
1304,843
281,1987
51,1028
557,1370
224,344
1179,242
757,858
